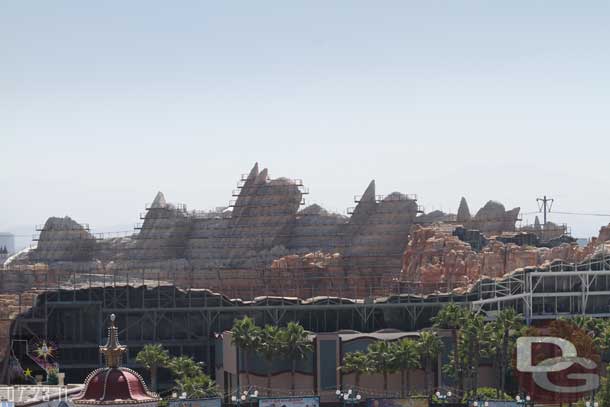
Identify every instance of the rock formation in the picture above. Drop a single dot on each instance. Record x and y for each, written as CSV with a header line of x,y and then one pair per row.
x,y
263,217
315,227
263,243
604,234
435,217
228,247
491,219
463,214
376,228
163,233
435,259
63,239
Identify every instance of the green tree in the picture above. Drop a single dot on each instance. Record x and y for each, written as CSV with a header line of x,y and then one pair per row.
x,y
184,366
382,360
473,345
430,347
451,317
603,396
190,378
357,363
270,346
604,337
152,357
585,322
495,339
296,345
199,386
405,356
245,335
502,336
487,393
596,328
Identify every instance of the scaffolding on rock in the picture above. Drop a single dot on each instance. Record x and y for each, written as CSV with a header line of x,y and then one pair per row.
x,y
183,275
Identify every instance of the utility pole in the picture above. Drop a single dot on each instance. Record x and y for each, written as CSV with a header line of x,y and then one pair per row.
x,y
547,204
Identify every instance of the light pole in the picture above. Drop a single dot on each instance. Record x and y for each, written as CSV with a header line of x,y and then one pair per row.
x,y
349,397
248,395
592,404
443,397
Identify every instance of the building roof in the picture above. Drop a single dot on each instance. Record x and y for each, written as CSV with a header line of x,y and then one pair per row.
x,y
385,335
115,386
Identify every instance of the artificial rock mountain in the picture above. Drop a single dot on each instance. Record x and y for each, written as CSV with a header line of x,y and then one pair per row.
x,y
264,244
437,260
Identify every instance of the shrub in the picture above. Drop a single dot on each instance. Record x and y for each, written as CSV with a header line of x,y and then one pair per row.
x,y
487,393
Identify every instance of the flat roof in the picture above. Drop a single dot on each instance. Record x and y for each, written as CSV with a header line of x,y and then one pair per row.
x,y
380,336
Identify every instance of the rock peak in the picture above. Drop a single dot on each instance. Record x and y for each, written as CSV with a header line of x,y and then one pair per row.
x,y
254,171
159,201
537,225
65,223
261,178
463,214
369,193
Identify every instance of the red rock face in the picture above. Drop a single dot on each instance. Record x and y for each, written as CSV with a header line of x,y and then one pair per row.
x,y
323,274
436,260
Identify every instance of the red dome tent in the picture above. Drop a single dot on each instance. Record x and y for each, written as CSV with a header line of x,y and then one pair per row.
x,y
115,385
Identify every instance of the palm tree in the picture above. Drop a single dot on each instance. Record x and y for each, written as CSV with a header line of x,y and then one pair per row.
x,y
382,360
406,357
507,322
596,328
356,362
430,347
495,340
584,322
474,343
199,386
190,378
184,366
269,346
245,335
152,357
452,316
603,394
296,346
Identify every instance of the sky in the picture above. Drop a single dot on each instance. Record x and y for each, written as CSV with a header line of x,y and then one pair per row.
x,y
102,104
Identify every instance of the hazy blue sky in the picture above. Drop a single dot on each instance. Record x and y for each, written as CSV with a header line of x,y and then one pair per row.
x,y
104,103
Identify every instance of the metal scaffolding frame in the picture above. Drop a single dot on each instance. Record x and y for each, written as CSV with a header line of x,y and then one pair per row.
x,y
562,290
185,320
